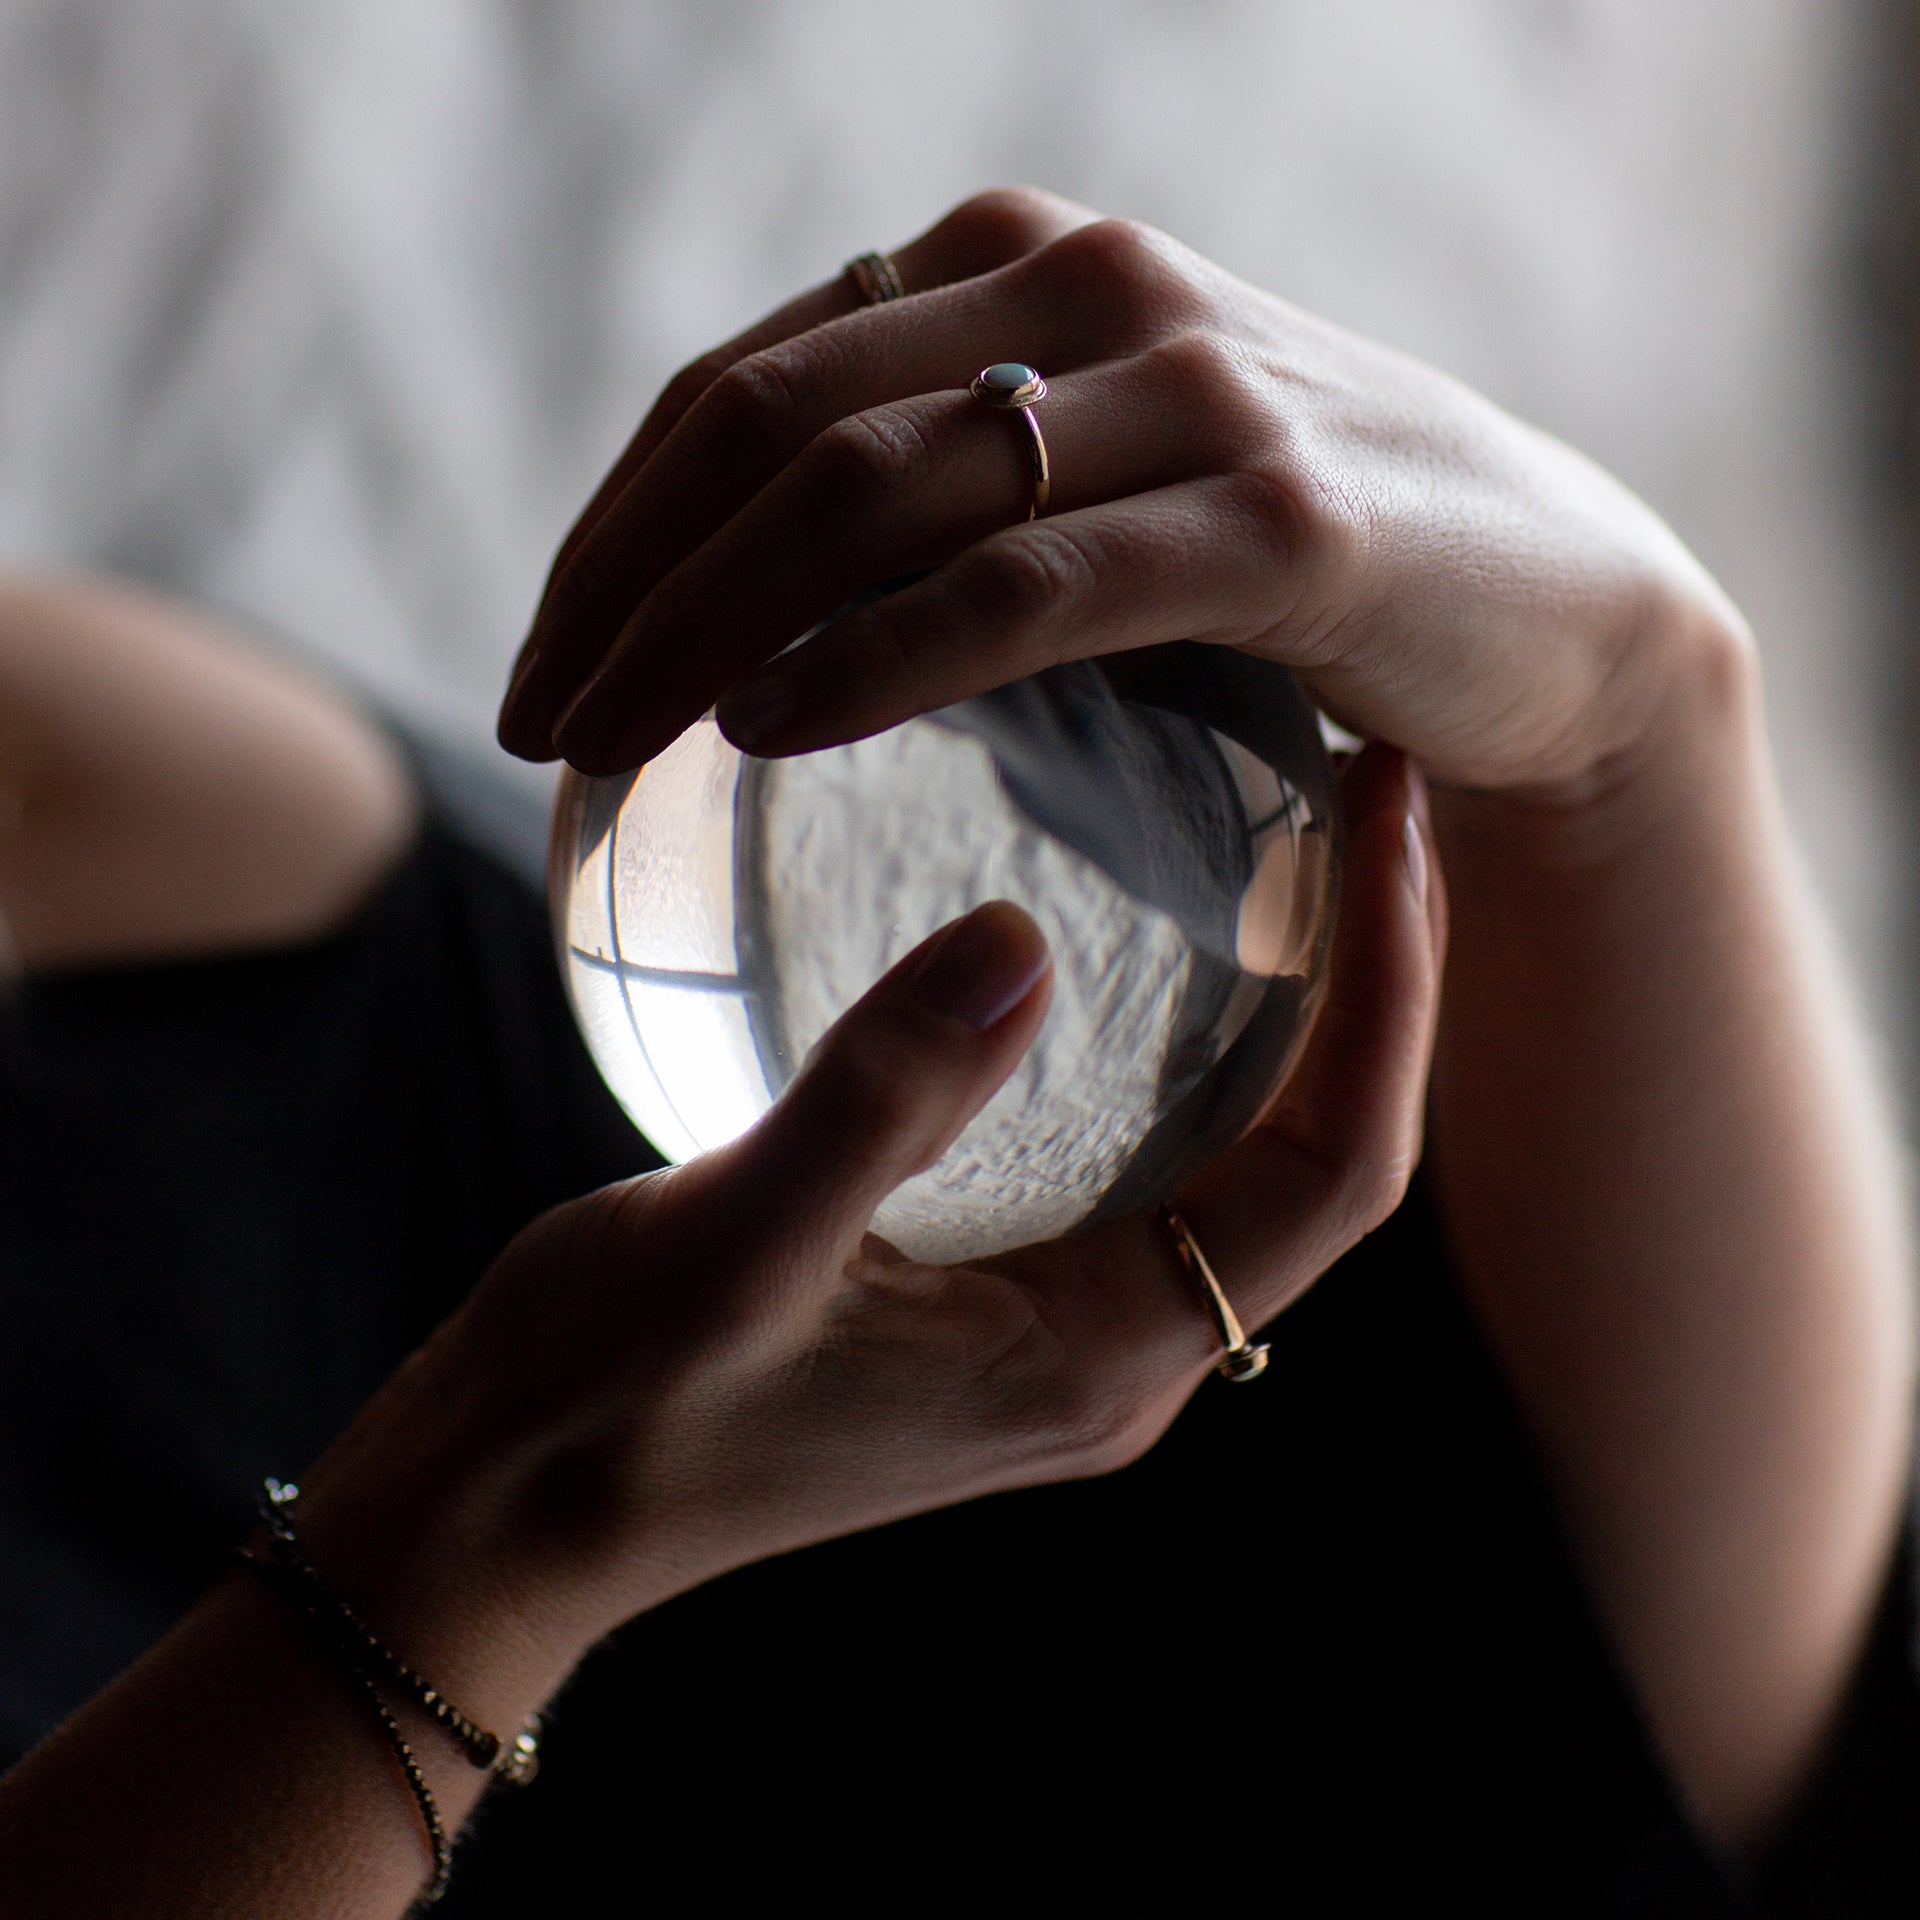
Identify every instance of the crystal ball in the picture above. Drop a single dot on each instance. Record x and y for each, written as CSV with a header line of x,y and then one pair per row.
x,y
1167,816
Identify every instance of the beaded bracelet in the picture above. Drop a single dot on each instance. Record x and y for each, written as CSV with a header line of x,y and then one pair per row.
x,y
281,1568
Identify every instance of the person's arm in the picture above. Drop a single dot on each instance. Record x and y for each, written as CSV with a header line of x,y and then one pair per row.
x,y
697,1369
233,1771
1672,1187
167,788
1673,1190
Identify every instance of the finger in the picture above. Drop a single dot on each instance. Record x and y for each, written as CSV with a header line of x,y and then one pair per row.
x,y
981,234
1206,559
893,491
1096,293
1343,1136
1331,1158
894,1080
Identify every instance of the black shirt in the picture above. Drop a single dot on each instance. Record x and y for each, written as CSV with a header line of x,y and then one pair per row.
x,y
1322,1650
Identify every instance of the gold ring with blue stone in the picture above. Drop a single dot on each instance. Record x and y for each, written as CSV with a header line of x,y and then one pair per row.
x,y
1015,387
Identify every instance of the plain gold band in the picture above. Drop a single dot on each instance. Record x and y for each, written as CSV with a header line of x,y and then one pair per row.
x,y
1241,1361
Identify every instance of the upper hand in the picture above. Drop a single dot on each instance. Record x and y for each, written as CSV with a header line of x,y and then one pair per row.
x,y
1225,468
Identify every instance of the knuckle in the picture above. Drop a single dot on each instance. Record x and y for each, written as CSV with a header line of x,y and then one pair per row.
x,y
1122,251
868,458
866,1086
693,380
1212,381
1002,224
604,1225
1298,515
757,398
588,586
1369,1186
1121,270
1026,577
1094,1425
872,650
889,1112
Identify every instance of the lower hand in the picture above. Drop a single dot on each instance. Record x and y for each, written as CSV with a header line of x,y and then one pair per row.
x,y
715,1363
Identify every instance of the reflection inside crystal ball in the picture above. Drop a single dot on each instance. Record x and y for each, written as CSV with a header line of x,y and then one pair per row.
x,y
1167,816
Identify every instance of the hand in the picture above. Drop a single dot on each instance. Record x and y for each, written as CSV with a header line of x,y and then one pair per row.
x,y
716,1363
1225,468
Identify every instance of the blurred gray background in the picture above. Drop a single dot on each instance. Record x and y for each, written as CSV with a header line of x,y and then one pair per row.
x,y
330,316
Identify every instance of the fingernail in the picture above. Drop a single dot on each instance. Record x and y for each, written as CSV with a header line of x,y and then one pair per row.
x,y
751,713
985,967
1418,803
1416,849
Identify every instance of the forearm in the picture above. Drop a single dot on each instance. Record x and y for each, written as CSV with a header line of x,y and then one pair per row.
x,y
237,1771
1674,1193
232,1772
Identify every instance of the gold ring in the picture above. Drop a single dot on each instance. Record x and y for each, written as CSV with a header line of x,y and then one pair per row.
x,y
1241,1361
876,279
1010,385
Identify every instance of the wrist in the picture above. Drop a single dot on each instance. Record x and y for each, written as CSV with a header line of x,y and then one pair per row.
x,y
425,1516
1692,755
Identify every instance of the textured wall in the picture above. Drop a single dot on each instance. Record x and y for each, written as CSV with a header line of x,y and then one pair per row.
x,y
331,314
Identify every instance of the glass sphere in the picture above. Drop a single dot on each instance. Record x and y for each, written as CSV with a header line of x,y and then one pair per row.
x,y
1167,816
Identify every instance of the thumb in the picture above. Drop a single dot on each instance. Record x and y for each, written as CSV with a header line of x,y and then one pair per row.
x,y
895,1079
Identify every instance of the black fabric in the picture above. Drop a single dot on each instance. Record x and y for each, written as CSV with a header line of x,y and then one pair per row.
x,y
232,1196
1321,1650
